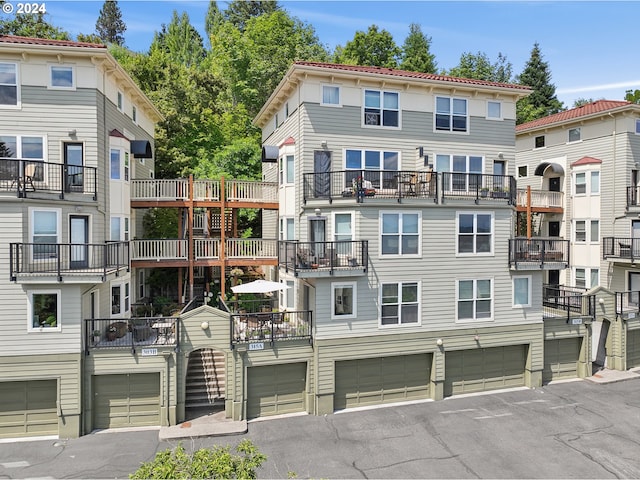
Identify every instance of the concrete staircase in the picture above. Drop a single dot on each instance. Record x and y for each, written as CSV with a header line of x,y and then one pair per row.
x,y
206,384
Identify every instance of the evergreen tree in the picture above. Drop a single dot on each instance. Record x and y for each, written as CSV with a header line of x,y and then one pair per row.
x,y
543,100
478,66
416,56
180,41
239,12
213,19
110,26
632,96
88,38
371,48
502,70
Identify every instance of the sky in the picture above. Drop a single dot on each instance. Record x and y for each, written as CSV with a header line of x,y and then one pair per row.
x,y
588,45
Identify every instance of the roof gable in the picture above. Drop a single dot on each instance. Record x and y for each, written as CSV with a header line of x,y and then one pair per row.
x,y
586,161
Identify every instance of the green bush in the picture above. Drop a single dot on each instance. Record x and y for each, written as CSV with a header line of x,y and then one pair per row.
x,y
217,462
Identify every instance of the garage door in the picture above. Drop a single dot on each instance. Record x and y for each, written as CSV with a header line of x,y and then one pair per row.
x,y
374,381
483,369
633,348
28,408
561,359
276,389
129,400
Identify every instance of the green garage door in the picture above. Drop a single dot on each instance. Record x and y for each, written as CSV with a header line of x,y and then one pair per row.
x,y
483,369
128,400
276,389
633,348
561,359
28,408
374,381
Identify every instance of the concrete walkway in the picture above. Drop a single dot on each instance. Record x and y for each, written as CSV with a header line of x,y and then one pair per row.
x,y
206,425
607,375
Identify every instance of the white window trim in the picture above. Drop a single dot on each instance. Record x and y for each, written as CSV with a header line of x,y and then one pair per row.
x,y
526,167
50,85
591,192
354,287
591,240
120,94
335,105
587,275
513,291
451,131
19,136
493,301
333,223
400,284
475,216
383,127
282,227
534,142
488,117
575,184
586,230
32,211
400,255
30,327
637,126
568,134
18,104
123,312
134,114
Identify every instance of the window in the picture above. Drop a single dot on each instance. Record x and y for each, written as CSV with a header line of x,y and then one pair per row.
x,y
451,114
637,121
277,120
120,101
286,110
381,108
475,233
380,167
287,231
522,291
399,303
343,297
115,164
62,77
580,184
116,306
141,284
126,297
331,95
580,278
595,231
134,114
126,229
9,86
289,292
523,171
343,227
460,166
44,310
634,286
494,110
595,183
474,299
574,134
287,169
45,233
24,147
126,166
595,277
115,229
580,231
400,233
539,142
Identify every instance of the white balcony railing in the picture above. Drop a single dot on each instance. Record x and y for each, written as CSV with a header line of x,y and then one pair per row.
x,y
207,248
160,189
248,191
165,249
251,248
541,198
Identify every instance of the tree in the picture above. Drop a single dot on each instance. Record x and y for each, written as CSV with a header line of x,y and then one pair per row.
x,y
32,25
502,70
213,19
239,12
543,100
578,102
416,56
88,38
110,26
632,96
180,41
375,48
478,66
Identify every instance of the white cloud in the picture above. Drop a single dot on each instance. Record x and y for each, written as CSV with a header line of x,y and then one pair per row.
x,y
597,88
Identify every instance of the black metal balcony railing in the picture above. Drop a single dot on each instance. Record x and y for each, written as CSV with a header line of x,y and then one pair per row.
x,y
539,251
477,186
131,333
559,301
68,259
621,247
627,302
297,256
25,176
271,327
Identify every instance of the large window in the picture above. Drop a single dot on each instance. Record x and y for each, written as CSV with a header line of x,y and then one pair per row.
x,y
400,233
331,95
451,114
460,167
287,169
287,228
62,77
45,233
580,231
115,164
22,147
475,233
399,302
44,310
522,291
9,86
475,299
381,108
381,167
343,297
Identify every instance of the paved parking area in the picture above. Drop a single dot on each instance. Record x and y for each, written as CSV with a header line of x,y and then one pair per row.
x,y
575,429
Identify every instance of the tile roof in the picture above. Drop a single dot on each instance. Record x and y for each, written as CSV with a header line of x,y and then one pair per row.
x,y
585,110
288,141
43,41
406,74
586,161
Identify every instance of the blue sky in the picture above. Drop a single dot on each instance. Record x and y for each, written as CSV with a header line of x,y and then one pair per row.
x,y
589,45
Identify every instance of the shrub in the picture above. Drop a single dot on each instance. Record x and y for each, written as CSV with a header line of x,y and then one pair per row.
x,y
217,462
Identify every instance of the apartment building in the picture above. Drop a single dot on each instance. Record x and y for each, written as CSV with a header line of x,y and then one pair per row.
x,y
578,179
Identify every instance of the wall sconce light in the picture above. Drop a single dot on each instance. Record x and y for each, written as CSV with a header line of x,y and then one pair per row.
x,y
601,301
477,338
318,212
204,325
72,133
323,144
439,342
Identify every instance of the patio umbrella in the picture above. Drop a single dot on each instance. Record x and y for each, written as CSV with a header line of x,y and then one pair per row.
x,y
259,286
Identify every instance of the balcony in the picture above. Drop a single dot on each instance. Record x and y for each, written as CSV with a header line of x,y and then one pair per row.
x,y
131,333
540,201
322,259
570,303
538,253
260,327
30,178
628,304
633,199
69,262
621,249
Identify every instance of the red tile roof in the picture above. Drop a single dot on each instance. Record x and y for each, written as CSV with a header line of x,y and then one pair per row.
x,y
586,161
288,141
585,110
406,74
44,41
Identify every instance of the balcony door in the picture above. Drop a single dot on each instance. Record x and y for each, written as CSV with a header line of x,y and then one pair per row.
x,y
318,236
73,163
79,239
635,235
554,184
322,171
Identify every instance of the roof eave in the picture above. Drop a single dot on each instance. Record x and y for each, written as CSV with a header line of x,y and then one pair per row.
x,y
591,116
